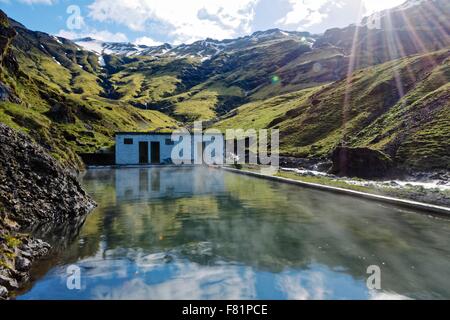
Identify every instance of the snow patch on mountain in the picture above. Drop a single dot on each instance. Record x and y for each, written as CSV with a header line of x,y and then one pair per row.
x,y
101,61
202,49
56,60
90,44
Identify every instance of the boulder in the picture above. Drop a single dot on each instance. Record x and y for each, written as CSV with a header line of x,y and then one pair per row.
x,y
360,162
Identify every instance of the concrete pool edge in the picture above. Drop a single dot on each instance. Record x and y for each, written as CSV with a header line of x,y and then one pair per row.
x,y
391,200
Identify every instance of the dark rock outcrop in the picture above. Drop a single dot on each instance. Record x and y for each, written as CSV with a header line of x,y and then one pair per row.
x,y
61,113
7,34
360,162
33,185
7,94
34,189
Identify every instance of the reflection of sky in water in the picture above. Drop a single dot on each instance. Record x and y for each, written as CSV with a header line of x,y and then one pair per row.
x,y
153,276
171,233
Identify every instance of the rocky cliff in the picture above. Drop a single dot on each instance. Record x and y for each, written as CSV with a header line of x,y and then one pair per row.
x,y
34,188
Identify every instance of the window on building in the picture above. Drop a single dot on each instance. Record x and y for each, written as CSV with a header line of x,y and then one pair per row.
x,y
128,141
169,142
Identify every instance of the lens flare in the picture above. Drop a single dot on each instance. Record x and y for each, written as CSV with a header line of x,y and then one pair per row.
x,y
275,79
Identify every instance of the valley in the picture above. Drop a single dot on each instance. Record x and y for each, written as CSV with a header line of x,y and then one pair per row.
x,y
364,108
356,86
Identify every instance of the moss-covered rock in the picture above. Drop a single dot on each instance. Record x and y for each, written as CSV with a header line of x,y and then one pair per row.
x,y
360,162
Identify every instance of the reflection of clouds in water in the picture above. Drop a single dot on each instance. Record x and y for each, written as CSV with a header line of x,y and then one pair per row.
x,y
191,281
105,269
127,273
321,284
310,286
101,265
151,261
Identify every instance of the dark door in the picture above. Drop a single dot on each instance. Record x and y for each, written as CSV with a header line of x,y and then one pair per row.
x,y
155,153
143,152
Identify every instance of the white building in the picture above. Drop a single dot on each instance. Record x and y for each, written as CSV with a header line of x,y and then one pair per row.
x,y
136,148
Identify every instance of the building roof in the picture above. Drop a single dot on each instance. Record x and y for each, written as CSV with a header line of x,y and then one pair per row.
x,y
144,133
158,133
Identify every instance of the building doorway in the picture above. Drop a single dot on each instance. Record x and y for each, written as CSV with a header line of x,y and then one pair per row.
x,y
143,152
155,152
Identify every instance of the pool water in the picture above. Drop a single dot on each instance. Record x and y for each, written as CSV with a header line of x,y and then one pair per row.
x,y
203,233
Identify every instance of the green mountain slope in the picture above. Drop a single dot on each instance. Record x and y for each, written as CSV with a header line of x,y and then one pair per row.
x,y
54,91
400,107
209,78
191,89
385,87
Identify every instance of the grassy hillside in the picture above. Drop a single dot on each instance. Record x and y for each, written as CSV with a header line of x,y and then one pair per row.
x,y
401,108
190,88
56,95
72,100
262,114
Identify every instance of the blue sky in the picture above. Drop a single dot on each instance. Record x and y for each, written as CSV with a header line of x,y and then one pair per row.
x,y
153,22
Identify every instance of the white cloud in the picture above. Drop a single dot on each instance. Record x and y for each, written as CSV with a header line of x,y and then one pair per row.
x,y
307,12
184,21
188,281
309,286
146,41
102,35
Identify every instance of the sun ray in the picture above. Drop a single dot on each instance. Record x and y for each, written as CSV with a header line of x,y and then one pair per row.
x,y
397,42
436,26
443,30
393,51
351,68
417,40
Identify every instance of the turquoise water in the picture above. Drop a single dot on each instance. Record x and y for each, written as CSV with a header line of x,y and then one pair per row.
x,y
199,233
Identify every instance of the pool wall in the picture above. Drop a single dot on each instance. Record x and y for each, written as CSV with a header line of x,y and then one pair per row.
x,y
437,210
440,210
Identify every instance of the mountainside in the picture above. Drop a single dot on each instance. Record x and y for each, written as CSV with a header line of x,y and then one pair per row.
x,y
52,90
382,83
405,113
208,78
417,26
